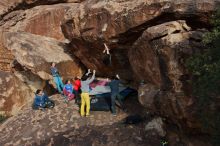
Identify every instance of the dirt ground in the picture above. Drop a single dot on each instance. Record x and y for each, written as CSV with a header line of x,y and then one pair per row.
x,y
63,126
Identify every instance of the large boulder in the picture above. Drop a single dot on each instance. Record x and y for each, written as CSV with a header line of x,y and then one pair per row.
x,y
34,54
145,62
120,24
40,20
162,70
28,55
7,6
156,126
146,96
14,94
159,55
6,57
149,41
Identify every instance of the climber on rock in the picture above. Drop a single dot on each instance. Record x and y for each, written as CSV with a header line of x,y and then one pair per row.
x,y
114,86
107,60
57,79
68,91
42,101
85,99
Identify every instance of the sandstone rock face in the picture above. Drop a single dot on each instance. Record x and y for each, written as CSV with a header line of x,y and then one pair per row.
x,y
169,44
29,56
6,58
156,125
158,56
144,61
149,41
40,20
116,17
13,94
35,54
119,24
147,94
7,6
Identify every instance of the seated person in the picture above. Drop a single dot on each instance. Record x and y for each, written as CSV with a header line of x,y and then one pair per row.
x,y
68,90
42,101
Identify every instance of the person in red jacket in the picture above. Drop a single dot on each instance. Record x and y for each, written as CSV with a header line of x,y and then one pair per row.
x,y
76,87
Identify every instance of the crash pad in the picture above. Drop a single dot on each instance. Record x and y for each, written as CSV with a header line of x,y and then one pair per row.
x,y
102,102
100,89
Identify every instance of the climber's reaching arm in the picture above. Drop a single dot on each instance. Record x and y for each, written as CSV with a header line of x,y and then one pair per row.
x,y
106,49
89,71
92,78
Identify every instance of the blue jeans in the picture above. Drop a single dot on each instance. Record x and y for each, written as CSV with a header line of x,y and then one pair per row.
x,y
59,83
47,104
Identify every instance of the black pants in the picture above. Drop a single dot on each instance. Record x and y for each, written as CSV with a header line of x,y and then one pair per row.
x,y
107,59
77,95
115,96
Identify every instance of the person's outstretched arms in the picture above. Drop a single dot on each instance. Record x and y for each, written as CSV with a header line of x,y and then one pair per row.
x,y
92,78
107,82
106,49
119,79
88,72
117,76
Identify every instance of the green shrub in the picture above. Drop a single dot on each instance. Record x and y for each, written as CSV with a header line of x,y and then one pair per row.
x,y
3,118
205,70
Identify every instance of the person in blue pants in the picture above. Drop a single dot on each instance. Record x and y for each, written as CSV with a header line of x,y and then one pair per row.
x,y
57,78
